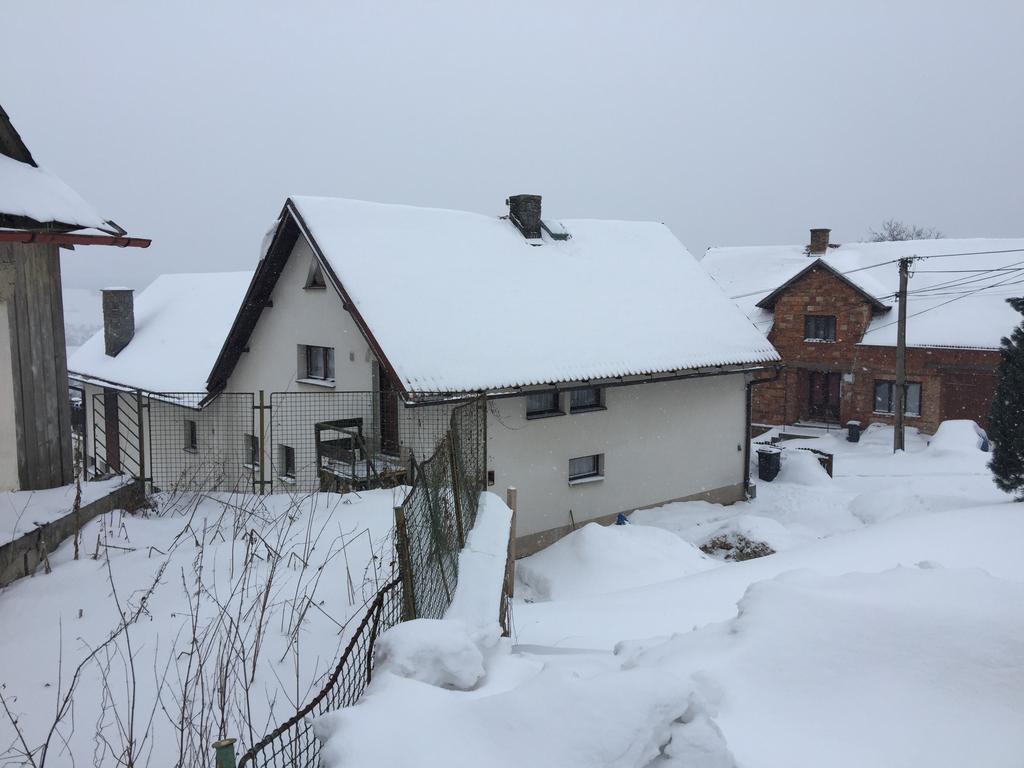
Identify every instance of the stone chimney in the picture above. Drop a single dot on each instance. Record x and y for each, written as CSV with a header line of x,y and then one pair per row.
x,y
819,242
118,319
524,210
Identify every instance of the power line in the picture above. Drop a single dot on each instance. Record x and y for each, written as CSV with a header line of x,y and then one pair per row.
x,y
894,261
941,304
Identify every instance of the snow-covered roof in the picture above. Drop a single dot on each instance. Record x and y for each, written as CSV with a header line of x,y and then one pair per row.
x,y
941,308
462,301
180,324
37,194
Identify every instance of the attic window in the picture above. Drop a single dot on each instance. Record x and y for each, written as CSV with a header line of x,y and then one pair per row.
x,y
315,276
819,328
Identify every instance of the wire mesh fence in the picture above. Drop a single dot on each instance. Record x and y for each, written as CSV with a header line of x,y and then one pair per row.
x,y
342,441
431,526
198,444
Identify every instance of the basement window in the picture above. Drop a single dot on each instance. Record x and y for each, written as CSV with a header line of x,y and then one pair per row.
x,y
191,436
585,469
885,398
252,452
819,327
542,404
582,400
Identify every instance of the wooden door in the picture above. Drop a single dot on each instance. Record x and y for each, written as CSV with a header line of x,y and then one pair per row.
x,y
388,414
112,430
823,396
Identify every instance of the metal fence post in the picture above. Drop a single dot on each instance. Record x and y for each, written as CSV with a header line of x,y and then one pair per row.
x,y
456,491
404,565
263,447
225,753
511,499
142,438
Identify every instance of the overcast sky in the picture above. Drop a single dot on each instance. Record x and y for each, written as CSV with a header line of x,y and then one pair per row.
x,y
732,122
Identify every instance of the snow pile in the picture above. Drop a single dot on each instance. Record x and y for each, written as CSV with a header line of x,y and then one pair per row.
x,y
549,718
863,669
450,653
802,468
959,436
598,559
482,566
846,671
440,653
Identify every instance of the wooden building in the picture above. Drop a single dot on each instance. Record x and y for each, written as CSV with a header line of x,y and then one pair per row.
x,y
39,215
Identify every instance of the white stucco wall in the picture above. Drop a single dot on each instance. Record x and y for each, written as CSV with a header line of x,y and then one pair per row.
x,y
660,442
8,443
312,316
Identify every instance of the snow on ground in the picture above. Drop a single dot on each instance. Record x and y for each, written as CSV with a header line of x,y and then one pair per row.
x,y
259,592
886,630
23,511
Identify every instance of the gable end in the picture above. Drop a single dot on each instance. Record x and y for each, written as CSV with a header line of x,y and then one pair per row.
x,y
268,272
768,302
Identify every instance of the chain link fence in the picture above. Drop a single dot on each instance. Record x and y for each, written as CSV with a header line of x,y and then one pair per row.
x,y
293,743
433,520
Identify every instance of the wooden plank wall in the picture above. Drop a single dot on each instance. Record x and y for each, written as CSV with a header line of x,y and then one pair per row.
x,y
39,361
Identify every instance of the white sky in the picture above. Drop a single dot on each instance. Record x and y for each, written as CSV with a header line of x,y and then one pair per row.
x,y
734,122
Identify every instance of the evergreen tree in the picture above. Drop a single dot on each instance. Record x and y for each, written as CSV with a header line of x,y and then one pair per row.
x,y
1006,420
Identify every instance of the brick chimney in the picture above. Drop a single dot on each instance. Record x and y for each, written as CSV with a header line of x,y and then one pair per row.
x,y
118,319
524,210
819,242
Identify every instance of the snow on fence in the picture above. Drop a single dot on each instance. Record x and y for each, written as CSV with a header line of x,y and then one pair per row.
x,y
430,527
284,441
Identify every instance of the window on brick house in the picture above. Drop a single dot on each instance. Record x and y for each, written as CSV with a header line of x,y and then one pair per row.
x,y
191,436
819,327
885,398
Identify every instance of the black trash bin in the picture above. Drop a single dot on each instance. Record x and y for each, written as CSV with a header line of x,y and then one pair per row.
x,y
769,462
853,431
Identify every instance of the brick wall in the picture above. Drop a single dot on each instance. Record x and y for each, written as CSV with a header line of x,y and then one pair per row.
x,y
955,383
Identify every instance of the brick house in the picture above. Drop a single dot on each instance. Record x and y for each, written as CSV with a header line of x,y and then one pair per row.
x,y
829,310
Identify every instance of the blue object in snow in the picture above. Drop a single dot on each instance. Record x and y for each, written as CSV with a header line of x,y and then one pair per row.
x,y
622,519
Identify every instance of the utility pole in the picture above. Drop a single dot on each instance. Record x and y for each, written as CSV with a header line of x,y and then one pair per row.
x,y
901,355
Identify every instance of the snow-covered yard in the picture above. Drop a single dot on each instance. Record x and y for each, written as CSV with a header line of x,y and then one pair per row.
x,y
886,629
208,614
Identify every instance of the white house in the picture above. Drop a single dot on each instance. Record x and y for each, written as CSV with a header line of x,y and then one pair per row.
x,y
39,215
615,369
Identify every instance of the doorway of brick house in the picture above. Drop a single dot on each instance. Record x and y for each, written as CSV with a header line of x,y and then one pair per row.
x,y
823,396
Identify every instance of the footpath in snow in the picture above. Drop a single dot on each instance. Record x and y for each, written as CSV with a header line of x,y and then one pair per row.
x,y
887,629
